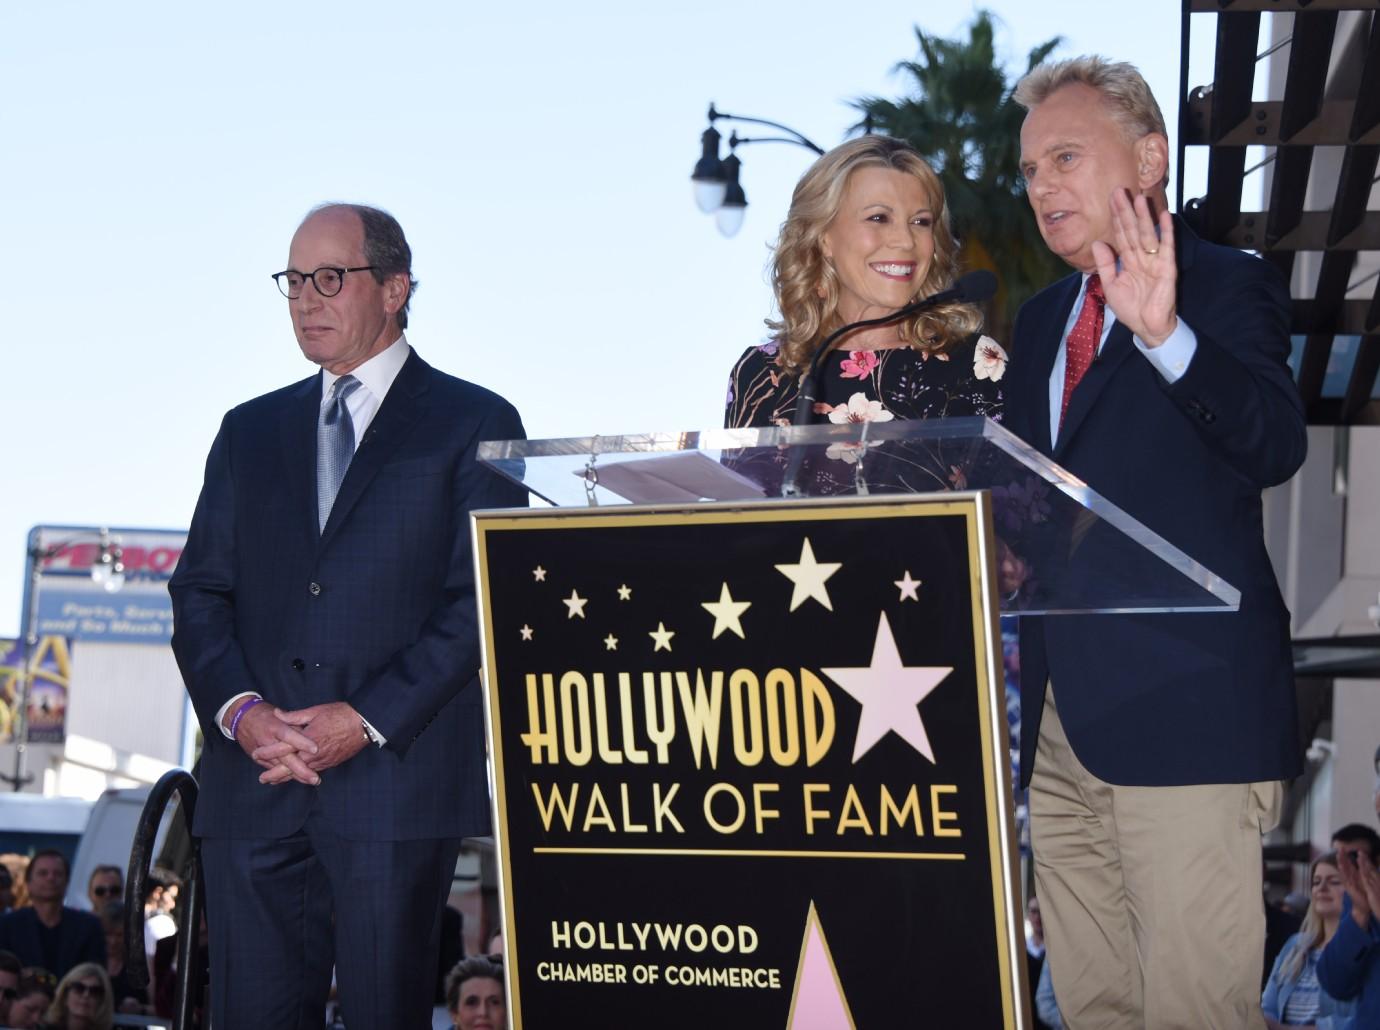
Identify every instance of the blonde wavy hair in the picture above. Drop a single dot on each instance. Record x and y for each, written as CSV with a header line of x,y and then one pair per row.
x,y
805,282
104,1016
1312,932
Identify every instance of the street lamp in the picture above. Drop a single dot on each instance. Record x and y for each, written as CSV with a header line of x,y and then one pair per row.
x,y
716,185
108,570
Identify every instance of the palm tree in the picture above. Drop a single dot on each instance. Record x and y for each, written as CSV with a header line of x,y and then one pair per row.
x,y
960,115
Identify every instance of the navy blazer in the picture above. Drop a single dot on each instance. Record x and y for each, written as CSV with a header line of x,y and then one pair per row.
x,y
1165,699
377,610
81,938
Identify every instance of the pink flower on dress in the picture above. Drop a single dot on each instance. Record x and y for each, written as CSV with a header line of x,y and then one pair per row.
x,y
989,360
860,409
859,364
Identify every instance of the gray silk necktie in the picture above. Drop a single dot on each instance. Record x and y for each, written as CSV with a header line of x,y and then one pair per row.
x,y
335,446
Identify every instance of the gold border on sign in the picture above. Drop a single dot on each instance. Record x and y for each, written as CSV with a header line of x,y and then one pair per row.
x,y
977,513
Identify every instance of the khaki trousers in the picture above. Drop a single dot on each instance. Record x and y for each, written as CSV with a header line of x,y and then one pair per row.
x,y
1151,896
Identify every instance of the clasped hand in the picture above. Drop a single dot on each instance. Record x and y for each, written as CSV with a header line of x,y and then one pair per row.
x,y
1142,291
300,745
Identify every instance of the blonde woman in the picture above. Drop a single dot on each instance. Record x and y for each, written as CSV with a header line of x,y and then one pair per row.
x,y
1293,997
868,233
83,1001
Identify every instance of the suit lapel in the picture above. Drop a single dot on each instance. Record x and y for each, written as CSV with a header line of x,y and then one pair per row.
x,y
298,435
396,416
1047,350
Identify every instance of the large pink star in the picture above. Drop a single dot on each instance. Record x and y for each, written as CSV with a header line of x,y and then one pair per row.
x,y
889,693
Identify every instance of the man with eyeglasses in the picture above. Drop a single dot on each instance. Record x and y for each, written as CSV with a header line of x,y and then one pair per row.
x,y
47,933
325,628
107,884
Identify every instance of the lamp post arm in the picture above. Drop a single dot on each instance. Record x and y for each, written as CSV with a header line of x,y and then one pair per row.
x,y
799,138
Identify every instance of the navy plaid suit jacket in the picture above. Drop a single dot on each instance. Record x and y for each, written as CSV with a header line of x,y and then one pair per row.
x,y
377,610
1171,699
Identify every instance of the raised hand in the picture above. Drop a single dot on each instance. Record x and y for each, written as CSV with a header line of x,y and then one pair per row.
x,y
1141,293
1362,883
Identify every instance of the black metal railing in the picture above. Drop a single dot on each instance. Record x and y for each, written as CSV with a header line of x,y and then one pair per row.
x,y
181,784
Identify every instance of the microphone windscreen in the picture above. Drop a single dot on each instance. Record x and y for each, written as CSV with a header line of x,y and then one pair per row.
x,y
976,286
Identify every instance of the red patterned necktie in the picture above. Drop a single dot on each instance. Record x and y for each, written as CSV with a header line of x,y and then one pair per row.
x,y
1083,339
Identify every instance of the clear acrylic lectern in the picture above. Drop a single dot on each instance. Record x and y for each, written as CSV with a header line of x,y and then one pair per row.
x,y
1063,549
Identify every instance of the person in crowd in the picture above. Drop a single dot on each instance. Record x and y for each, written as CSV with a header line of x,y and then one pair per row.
x,y
12,893
1153,745
474,994
1045,1007
159,903
124,995
165,973
47,933
106,884
1035,955
867,233
1292,995
495,949
1357,837
82,1001
325,629
32,998
10,968
1349,967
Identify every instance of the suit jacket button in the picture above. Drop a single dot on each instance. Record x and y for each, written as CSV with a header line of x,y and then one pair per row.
x,y
314,589
298,665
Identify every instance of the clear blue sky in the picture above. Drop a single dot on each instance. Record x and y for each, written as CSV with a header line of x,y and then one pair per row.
x,y
160,154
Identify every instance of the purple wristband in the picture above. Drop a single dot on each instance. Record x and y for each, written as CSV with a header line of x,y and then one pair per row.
x,y
235,722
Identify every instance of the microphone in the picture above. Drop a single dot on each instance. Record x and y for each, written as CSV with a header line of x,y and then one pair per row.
x,y
968,289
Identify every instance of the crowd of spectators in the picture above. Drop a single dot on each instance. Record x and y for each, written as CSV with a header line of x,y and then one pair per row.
x,y
63,968
1322,948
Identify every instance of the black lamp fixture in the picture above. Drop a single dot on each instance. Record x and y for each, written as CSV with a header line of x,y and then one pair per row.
x,y
717,189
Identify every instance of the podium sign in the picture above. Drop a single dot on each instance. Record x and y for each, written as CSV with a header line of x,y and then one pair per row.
x,y
750,765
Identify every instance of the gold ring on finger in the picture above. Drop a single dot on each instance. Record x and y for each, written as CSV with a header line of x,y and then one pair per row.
x,y
1152,253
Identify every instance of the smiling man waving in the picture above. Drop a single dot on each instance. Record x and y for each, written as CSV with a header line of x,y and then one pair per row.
x,y
1152,744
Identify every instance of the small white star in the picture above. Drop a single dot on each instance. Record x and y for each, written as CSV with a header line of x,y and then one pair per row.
x,y
539,574
908,587
625,593
610,643
526,632
662,636
727,613
890,694
576,604
809,577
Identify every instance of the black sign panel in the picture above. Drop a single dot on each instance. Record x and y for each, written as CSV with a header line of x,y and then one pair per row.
x,y
750,766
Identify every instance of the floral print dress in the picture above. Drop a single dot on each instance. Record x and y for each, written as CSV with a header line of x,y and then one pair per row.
x,y
875,386
867,386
